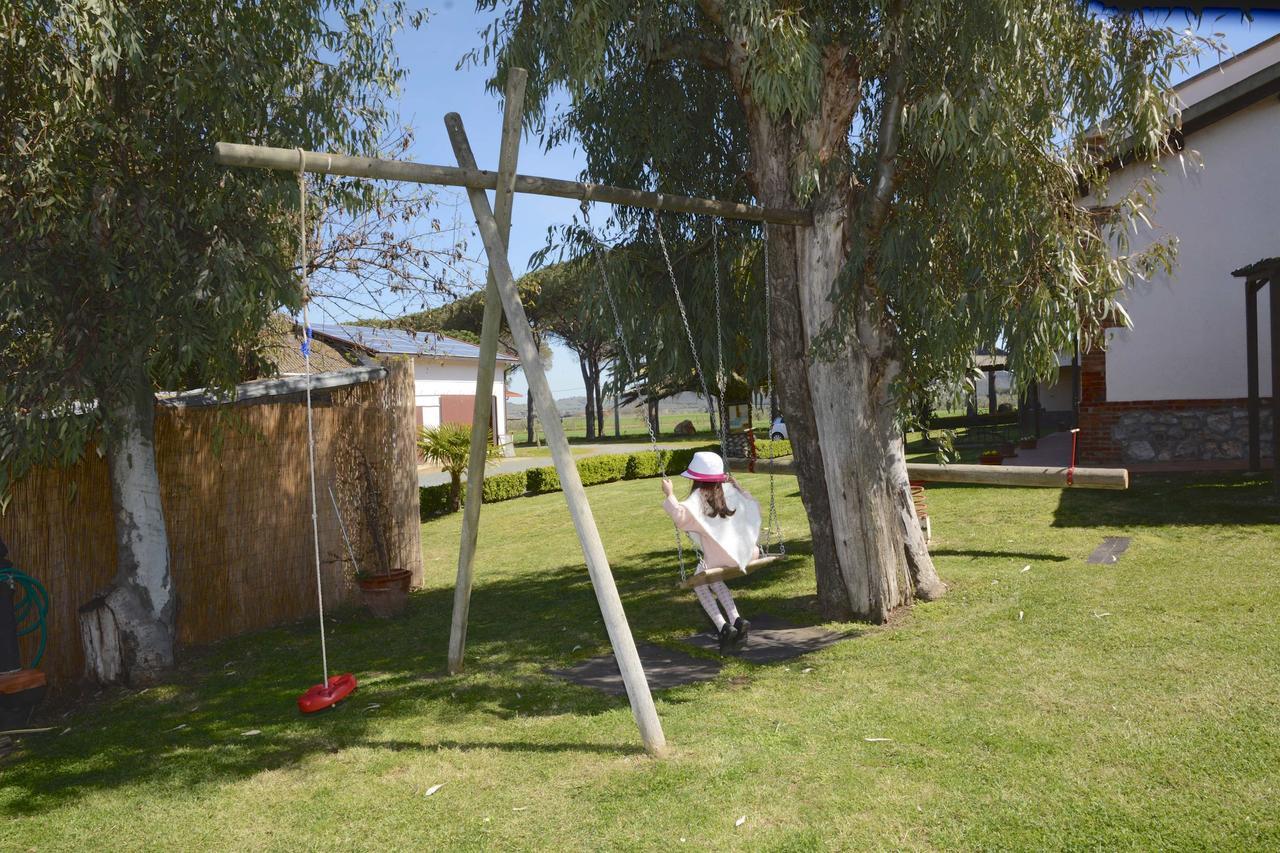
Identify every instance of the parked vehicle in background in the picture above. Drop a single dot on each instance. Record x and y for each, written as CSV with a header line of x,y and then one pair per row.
x,y
779,429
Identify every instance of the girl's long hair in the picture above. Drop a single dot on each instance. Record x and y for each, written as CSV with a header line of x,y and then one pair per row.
x,y
713,499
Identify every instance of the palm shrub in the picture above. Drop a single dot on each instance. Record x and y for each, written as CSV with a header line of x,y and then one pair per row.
x,y
449,446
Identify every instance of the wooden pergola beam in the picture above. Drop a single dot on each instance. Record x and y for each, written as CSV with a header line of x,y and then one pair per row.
x,y
286,159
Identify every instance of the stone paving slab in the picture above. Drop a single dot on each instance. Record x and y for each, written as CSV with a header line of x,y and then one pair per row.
x,y
663,668
1110,549
772,639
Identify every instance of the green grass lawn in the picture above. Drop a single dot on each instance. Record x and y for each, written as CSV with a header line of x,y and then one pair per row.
x,y
1062,706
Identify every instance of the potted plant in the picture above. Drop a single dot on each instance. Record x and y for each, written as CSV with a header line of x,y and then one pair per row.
x,y
384,586
991,457
1028,442
449,446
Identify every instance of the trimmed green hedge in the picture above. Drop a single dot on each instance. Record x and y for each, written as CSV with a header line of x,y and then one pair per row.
x,y
434,500
543,480
643,465
608,468
780,448
504,487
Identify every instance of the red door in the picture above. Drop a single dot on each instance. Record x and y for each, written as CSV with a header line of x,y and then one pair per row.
x,y
460,409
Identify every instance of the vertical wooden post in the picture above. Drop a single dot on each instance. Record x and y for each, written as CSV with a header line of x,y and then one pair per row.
x,y
512,118
1273,296
1251,289
615,619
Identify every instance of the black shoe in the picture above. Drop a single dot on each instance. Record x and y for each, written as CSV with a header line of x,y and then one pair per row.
x,y
726,637
740,628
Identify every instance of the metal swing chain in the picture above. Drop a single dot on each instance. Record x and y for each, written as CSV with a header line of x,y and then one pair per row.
x,y
724,427
768,357
693,348
626,353
684,316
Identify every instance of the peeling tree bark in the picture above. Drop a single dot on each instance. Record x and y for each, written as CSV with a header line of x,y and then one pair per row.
x,y
128,629
869,552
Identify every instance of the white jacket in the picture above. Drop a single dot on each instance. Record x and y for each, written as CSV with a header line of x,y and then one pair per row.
x,y
724,542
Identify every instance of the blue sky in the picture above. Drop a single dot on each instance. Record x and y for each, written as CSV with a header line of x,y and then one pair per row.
x,y
435,87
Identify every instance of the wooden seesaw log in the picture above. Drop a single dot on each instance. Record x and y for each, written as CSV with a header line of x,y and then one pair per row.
x,y
1034,476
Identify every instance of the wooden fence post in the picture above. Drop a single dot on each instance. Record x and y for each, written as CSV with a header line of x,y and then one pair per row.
x,y
615,619
513,113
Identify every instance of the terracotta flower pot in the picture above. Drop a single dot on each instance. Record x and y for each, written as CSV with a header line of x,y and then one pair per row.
x,y
386,595
1028,444
991,457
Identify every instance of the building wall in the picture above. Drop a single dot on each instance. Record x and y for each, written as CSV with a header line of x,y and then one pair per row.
x,y
434,378
1173,388
1187,340
1056,396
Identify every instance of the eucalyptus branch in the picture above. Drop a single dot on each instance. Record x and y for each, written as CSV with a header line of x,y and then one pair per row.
x,y
694,48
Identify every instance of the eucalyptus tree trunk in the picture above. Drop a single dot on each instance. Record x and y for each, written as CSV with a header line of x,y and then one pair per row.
x,y
128,629
528,415
869,552
589,390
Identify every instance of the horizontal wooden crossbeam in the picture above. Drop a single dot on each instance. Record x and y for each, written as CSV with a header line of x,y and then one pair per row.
x,y
990,475
286,159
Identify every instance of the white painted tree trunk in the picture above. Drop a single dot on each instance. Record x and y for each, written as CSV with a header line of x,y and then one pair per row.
x,y
128,629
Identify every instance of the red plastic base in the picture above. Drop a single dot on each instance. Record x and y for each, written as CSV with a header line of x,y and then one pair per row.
x,y
327,695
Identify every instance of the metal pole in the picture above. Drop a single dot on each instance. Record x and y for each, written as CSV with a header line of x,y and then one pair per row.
x,y
615,619
286,159
513,114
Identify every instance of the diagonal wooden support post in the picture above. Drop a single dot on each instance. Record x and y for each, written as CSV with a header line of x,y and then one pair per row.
x,y
615,620
512,118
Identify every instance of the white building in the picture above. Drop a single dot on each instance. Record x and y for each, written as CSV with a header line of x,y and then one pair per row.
x,y
444,371
1173,387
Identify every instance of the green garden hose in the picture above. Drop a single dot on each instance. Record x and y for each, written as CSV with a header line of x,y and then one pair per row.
x,y
30,607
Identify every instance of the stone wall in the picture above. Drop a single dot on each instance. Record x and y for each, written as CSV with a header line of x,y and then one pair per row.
x,y
1169,431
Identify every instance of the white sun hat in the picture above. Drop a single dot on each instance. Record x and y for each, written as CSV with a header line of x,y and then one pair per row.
x,y
706,467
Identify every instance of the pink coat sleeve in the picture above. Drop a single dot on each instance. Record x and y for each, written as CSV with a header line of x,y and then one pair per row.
x,y
681,516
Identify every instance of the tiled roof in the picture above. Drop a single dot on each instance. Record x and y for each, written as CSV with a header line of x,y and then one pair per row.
x,y
282,346
399,342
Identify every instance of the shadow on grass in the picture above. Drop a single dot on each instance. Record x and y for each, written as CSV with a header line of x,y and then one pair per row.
x,y
1021,555
1172,500
229,713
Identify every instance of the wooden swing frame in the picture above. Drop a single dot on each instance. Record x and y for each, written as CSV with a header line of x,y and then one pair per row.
x,y
502,297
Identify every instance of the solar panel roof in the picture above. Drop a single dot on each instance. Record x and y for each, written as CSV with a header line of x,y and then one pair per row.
x,y
399,342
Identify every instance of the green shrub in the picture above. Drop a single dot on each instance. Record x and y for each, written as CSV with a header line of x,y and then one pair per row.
x,y
504,487
543,480
642,465
433,501
603,469
767,448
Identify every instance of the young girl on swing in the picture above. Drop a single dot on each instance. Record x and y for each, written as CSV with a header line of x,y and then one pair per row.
x,y
723,520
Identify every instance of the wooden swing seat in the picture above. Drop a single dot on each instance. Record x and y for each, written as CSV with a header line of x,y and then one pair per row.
x,y
727,574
